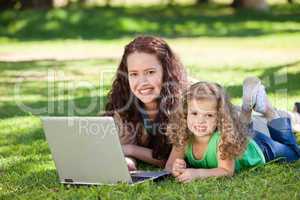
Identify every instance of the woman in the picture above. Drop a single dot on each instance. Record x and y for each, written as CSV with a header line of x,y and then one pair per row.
x,y
144,93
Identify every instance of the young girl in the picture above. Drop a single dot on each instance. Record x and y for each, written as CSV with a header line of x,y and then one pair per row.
x,y
214,139
146,89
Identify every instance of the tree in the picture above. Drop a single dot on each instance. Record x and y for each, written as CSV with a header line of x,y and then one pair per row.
x,y
24,4
202,1
36,3
6,4
107,3
251,4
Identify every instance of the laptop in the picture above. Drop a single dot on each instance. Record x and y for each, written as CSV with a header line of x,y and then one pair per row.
x,y
87,150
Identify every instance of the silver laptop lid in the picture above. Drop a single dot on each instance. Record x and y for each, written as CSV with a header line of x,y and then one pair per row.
x,y
86,150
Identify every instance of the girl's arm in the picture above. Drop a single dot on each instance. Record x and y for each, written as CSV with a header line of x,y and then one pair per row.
x,y
176,153
225,168
142,153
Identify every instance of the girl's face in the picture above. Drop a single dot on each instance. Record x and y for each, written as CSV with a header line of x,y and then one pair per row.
x,y
145,75
202,116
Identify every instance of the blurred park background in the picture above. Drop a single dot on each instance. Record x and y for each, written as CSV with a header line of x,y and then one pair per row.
x,y
58,57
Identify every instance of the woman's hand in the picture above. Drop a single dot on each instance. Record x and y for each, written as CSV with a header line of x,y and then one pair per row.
x,y
141,153
178,166
187,175
131,164
128,149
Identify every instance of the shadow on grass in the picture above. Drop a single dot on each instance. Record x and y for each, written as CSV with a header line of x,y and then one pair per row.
x,y
176,21
277,80
65,97
74,105
45,64
28,65
78,106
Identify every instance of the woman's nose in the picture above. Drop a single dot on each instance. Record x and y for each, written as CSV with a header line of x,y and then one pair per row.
x,y
143,79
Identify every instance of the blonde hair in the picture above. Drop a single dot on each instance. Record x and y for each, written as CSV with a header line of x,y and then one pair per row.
x,y
233,132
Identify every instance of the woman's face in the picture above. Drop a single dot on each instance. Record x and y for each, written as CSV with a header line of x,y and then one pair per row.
x,y
145,74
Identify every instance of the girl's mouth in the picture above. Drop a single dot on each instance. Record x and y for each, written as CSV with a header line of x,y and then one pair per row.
x,y
200,128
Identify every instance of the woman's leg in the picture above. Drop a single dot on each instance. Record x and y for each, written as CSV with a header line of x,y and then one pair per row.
x,y
294,116
282,142
274,150
255,97
260,121
281,131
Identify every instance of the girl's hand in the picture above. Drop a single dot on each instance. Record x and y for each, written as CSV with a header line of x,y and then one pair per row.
x,y
179,166
187,175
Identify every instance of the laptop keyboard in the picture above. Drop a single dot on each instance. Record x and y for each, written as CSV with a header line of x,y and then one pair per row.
x,y
138,178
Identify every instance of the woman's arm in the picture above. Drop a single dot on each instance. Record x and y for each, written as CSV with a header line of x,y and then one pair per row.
x,y
142,153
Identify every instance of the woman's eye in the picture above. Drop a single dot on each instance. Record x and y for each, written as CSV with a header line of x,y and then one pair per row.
x,y
151,72
132,74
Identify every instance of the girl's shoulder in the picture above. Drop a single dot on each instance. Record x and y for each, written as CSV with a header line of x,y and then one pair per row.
x,y
215,137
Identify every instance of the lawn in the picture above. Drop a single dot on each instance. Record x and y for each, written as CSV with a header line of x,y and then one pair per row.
x,y
62,61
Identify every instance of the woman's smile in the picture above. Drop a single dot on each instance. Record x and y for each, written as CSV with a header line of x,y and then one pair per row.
x,y
146,91
145,76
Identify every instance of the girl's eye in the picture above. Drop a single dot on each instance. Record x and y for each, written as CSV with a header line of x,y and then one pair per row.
x,y
194,113
210,115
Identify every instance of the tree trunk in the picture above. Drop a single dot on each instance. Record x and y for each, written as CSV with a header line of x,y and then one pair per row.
x,y
171,2
198,2
38,4
236,4
7,4
251,4
107,3
26,4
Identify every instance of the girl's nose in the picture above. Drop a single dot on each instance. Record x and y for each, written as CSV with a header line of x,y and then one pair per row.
x,y
201,120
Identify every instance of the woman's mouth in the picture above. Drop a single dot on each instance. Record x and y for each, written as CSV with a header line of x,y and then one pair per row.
x,y
146,91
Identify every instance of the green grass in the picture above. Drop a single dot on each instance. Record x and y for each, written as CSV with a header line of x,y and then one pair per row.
x,y
214,42
100,23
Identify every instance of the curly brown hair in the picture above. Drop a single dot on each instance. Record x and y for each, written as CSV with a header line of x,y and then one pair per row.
x,y
233,133
122,100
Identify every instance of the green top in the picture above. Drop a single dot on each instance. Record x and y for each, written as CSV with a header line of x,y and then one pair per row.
x,y
252,156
